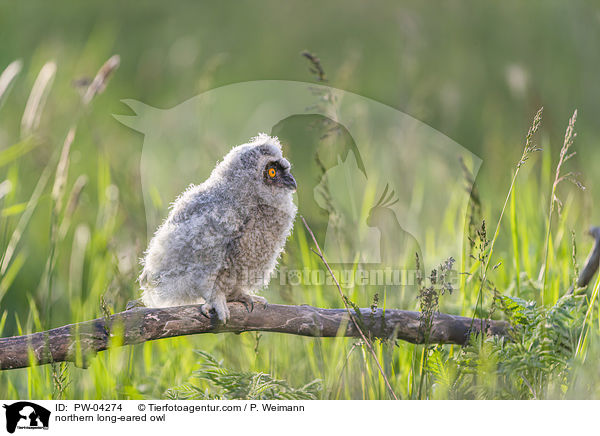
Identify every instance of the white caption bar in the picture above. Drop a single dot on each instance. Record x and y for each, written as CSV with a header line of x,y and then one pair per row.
x,y
292,417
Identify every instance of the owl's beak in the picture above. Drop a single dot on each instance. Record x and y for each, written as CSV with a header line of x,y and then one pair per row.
x,y
289,181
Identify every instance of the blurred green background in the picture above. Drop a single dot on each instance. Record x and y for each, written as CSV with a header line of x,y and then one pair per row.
x,y
475,71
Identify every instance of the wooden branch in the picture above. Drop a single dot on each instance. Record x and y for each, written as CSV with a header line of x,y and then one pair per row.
x,y
592,262
143,324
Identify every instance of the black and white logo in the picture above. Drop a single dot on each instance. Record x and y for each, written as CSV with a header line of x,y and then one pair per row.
x,y
26,415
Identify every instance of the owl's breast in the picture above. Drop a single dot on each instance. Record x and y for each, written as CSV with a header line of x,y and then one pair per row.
x,y
253,254
265,234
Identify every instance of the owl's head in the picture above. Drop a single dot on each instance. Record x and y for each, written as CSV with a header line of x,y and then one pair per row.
x,y
258,169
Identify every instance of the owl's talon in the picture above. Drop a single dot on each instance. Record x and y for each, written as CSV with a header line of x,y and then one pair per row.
x,y
205,309
249,300
219,307
249,308
261,300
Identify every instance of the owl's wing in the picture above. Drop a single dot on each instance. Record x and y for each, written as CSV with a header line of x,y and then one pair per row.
x,y
200,236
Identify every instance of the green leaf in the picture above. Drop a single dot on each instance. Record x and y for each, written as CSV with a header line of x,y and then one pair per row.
x,y
15,209
16,151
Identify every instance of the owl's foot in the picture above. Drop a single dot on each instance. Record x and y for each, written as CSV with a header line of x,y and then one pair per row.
x,y
249,300
219,306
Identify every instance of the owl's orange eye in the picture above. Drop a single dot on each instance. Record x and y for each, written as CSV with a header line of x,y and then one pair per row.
x,y
272,172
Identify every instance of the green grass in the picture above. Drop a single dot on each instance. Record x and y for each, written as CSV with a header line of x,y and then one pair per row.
x,y
87,269
63,253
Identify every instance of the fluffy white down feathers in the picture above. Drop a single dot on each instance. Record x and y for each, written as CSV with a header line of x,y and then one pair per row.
x,y
222,238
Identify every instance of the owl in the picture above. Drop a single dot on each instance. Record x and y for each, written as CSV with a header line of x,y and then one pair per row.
x,y
222,239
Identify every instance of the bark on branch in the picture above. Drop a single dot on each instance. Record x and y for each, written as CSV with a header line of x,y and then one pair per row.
x,y
77,342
